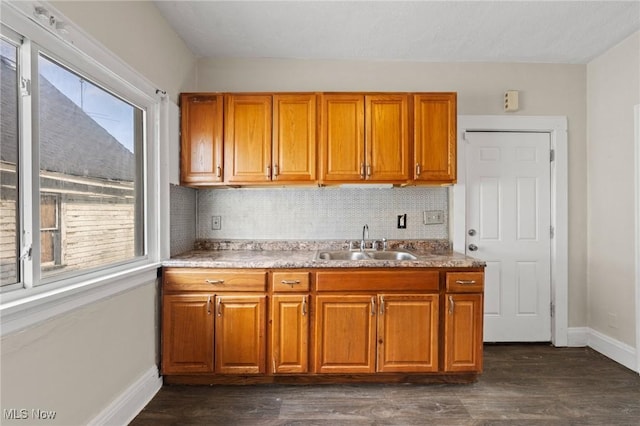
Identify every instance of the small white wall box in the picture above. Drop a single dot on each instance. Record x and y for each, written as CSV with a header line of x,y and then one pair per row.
x,y
511,100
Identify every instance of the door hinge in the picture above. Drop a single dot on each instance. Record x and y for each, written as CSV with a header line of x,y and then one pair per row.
x,y
552,309
552,155
552,231
25,86
464,136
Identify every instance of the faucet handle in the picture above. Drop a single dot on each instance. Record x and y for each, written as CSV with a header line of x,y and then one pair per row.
x,y
384,244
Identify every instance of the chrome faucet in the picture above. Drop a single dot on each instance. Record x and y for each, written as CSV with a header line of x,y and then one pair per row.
x,y
365,236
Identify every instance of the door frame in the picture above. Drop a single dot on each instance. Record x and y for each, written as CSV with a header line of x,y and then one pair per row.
x,y
636,120
556,126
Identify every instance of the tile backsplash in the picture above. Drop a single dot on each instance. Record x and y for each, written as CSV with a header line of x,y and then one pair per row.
x,y
183,219
320,213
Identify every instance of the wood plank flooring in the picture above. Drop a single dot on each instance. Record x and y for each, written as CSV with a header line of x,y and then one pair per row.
x,y
521,385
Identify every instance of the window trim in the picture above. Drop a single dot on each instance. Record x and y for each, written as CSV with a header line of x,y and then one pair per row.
x,y
30,304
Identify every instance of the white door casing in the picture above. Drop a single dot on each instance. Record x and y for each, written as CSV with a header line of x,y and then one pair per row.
x,y
557,129
508,226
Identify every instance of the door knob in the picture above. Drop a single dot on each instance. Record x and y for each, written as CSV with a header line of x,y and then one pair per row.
x,y
473,247
472,232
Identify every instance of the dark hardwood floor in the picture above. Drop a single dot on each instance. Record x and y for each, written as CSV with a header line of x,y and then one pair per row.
x,y
521,385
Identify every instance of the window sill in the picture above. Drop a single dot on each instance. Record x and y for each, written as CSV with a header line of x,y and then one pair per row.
x,y
32,309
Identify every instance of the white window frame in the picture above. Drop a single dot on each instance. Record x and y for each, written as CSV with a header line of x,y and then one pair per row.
x,y
32,302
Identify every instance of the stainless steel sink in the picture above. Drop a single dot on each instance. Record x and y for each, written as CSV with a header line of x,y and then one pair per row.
x,y
391,255
341,255
364,255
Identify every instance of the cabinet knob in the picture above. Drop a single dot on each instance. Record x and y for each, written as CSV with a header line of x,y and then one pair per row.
x,y
473,247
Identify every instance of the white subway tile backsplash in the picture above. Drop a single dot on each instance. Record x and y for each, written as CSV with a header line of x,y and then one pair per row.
x,y
320,213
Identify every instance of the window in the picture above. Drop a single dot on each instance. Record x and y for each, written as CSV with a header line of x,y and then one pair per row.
x,y
79,162
9,196
90,147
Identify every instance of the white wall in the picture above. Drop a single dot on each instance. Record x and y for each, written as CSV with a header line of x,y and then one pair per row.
x,y
545,89
79,363
139,35
613,88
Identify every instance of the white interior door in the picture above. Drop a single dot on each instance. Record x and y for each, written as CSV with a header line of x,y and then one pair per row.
x,y
508,226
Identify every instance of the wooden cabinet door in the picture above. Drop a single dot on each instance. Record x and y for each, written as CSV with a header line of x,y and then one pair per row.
x,y
240,334
345,334
290,333
408,332
294,138
387,138
187,334
435,137
247,138
201,139
463,332
342,137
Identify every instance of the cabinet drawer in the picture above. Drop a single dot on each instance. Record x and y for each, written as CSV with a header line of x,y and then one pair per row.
x,y
283,282
465,282
213,280
377,280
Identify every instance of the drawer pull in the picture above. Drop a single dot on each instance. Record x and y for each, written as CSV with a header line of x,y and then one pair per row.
x,y
304,305
373,306
219,308
214,281
290,282
452,305
466,282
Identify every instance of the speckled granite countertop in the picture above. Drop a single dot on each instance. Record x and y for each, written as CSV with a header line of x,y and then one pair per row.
x,y
301,254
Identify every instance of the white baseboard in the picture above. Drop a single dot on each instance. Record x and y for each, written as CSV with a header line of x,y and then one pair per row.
x,y
614,349
577,337
607,346
126,406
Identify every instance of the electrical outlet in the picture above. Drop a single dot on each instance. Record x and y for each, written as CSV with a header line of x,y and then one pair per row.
x,y
216,223
402,221
433,217
612,320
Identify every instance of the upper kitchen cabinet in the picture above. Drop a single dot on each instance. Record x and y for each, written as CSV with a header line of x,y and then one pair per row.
x,y
294,138
201,139
365,138
247,138
270,138
435,137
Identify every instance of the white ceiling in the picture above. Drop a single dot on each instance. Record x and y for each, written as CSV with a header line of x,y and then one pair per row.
x,y
432,31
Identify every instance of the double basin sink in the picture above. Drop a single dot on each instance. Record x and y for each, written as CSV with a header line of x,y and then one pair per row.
x,y
364,255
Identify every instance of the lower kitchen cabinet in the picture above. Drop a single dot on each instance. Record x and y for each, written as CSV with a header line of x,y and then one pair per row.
x,y
321,325
345,334
290,333
377,333
187,334
464,306
408,333
463,332
240,334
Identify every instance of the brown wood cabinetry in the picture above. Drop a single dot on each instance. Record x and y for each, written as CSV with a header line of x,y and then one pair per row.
x,y
365,138
247,138
394,330
187,333
294,138
289,318
270,138
435,128
201,139
213,321
266,138
463,321
345,333
342,323
408,332
240,341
